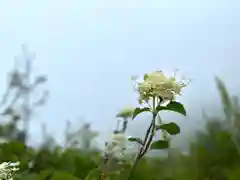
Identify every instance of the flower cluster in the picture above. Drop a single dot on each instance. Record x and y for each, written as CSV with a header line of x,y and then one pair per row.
x,y
7,169
156,84
126,112
116,146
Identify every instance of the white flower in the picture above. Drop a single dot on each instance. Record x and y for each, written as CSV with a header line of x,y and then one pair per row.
x,y
117,145
126,112
156,84
7,169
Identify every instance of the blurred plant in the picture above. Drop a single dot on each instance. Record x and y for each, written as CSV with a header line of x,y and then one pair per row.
x,y
21,88
81,138
9,130
231,109
48,141
215,154
213,151
125,114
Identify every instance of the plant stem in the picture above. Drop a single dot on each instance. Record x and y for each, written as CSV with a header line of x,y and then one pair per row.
x,y
146,143
146,138
139,155
149,140
134,166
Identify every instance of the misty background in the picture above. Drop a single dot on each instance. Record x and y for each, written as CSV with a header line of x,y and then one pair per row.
x,y
90,49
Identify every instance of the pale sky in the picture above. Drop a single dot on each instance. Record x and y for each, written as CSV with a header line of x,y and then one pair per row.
x,y
90,49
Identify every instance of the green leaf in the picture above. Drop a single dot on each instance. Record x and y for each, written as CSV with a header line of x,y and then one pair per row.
x,y
133,139
160,144
171,128
13,151
173,106
14,147
94,174
137,111
145,77
225,97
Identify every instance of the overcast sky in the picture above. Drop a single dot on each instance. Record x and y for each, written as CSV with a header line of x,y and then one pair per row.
x,y
89,50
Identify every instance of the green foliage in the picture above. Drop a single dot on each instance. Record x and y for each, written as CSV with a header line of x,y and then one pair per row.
x,y
160,144
138,111
226,100
233,173
63,176
138,140
213,155
171,128
173,106
94,174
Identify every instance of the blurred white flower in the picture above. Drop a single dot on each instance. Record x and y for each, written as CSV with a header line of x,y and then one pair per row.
x,y
117,145
127,112
7,169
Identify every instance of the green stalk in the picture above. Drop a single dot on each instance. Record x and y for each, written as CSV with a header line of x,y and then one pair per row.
x,y
147,140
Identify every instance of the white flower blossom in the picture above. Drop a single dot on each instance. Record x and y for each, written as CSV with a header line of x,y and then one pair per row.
x,y
117,145
7,169
126,112
156,84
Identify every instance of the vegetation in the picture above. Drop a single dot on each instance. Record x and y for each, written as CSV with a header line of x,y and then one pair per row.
x,y
214,154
